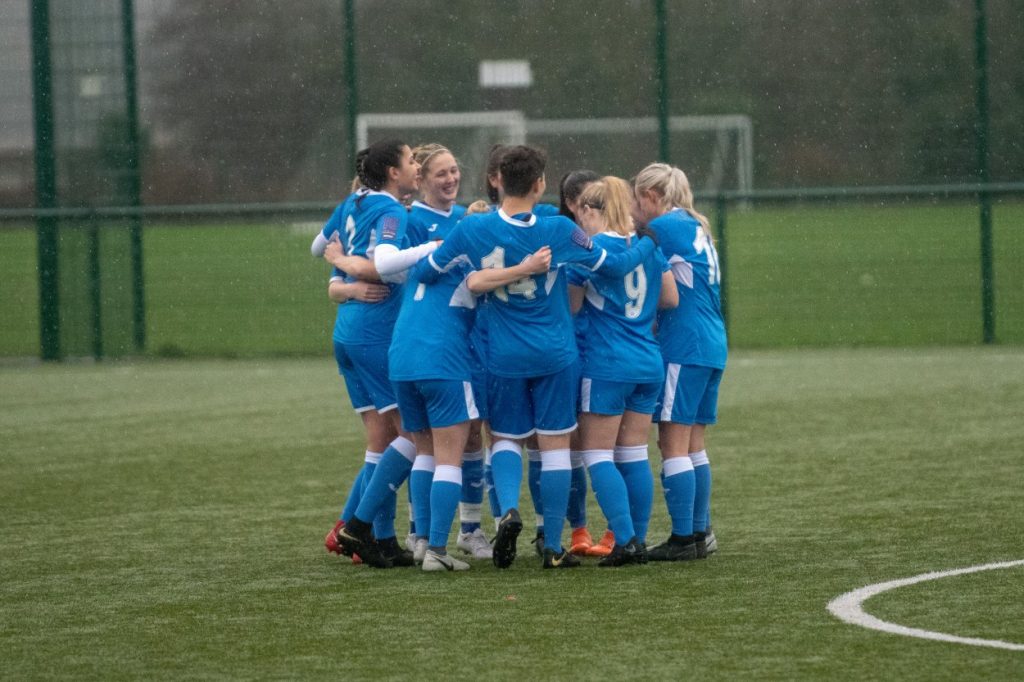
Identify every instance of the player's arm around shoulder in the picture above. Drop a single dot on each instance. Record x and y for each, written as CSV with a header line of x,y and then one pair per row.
x,y
437,263
489,279
357,266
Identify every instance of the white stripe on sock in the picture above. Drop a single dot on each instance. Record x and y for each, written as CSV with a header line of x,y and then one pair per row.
x,y
555,460
423,463
448,473
592,457
630,453
676,465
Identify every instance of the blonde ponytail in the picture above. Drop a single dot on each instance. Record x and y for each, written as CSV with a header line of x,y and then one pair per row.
x,y
611,196
673,188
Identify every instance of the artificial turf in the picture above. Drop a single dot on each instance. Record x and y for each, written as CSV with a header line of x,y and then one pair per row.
x,y
164,519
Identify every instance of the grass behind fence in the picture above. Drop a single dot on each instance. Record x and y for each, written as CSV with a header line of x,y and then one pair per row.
x,y
804,275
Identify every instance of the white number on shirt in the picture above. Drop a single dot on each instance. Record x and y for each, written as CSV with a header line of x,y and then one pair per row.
x,y
636,291
350,233
524,287
701,244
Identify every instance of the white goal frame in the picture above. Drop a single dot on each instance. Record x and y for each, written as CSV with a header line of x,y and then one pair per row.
x,y
513,123
517,129
724,126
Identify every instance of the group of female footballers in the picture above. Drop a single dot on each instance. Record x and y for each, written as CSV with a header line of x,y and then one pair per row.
x,y
562,331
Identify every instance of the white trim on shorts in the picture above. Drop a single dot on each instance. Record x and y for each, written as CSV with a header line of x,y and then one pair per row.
x,y
546,432
360,410
585,394
511,436
471,409
671,382
388,408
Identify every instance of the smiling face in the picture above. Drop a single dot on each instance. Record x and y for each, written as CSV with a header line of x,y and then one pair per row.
x,y
406,176
439,180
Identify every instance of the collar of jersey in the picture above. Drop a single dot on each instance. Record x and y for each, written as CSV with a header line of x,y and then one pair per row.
x,y
446,214
375,192
521,223
619,236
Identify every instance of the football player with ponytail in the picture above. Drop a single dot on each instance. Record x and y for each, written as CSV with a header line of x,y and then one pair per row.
x,y
694,349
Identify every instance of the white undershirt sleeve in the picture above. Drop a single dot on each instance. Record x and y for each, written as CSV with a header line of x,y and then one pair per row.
x,y
389,261
319,245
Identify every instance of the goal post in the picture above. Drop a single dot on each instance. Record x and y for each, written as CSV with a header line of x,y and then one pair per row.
x,y
733,140
718,149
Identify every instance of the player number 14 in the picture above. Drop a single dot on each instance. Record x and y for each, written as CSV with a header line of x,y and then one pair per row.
x,y
525,287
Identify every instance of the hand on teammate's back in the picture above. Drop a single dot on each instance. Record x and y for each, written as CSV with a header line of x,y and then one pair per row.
x,y
539,261
643,231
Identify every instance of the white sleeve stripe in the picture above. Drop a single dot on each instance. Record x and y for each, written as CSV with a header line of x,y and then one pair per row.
x,y
600,261
430,259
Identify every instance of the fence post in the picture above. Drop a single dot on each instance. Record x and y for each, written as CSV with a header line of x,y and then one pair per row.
x,y
661,62
981,130
46,183
133,185
95,288
351,83
723,257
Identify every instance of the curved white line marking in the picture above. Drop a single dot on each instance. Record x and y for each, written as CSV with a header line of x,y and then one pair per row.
x,y
847,608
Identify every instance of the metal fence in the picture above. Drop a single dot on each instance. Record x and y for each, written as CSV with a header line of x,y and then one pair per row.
x,y
106,307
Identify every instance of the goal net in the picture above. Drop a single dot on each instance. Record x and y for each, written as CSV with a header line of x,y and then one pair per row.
x,y
715,151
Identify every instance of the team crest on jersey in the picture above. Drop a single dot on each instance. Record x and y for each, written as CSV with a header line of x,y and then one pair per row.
x,y
389,227
582,238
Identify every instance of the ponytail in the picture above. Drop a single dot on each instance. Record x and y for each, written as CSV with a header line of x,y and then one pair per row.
x,y
611,196
672,185
372,167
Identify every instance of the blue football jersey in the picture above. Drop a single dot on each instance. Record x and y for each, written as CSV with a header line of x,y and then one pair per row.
x,y
617,319
338,224
427,223
546,210
529,326
694,332
432,334
376,218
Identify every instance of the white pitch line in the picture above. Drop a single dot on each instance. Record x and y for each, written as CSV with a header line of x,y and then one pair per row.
x,y
848,608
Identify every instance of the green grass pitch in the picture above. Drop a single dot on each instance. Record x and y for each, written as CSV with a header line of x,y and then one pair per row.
x,y
798,276
164,520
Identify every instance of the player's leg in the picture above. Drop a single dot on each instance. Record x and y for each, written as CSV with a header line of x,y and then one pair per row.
x,y
511,422
363,405
581,542
377,506
533,467
553,398
684,385
451,408
472,539
600,419
421,478
632,461
707,414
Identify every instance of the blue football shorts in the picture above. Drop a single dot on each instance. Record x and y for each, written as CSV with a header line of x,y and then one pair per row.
x,y
519,407
615,397
435,403
690,395
366,368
